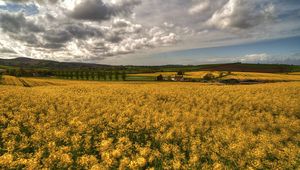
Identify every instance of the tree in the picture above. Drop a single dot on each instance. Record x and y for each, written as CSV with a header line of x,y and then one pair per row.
x,y
124,76
77,75
160,78
82,75
71,75
181,73
86,75
21,72
93,75
110,75
99,75
208,76
117,75
57,74
104,75
12,72
1,73
64,74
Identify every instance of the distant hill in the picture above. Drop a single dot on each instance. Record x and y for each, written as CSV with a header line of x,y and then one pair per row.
x,y
23,62
263,68
28,63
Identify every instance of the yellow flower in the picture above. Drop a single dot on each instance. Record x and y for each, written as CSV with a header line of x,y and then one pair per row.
x,y
6,159
141,161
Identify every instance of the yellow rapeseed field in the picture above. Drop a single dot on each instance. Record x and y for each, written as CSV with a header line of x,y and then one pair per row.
x,y
236,75
124,125
264,76
29,82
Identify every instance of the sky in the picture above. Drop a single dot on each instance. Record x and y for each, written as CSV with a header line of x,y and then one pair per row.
x,y
152,32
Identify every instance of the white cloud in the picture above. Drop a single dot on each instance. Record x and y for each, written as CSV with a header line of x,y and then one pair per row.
x,y
200,8
85,30
78,41
254,58
242,14
2,3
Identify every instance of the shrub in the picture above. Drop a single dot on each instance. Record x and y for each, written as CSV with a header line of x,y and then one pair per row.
x,y
180,73
160,78
230,81
208,76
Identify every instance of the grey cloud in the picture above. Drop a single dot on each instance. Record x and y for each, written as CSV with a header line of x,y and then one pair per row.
x,y
73,38
113,38
38,1
53,45
92,10
129,26
20,28
60,36
17,23
28,38
125,7
97,10
82,31
6,50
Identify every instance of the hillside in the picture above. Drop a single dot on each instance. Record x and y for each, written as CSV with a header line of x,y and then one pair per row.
x,y
28,63
262,68
46,64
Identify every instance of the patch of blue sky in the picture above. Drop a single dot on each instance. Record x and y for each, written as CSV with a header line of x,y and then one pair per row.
x,y
285,47
28,9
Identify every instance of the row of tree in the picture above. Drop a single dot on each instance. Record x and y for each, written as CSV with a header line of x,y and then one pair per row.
x,y
74,75
28,73
1,75
92,75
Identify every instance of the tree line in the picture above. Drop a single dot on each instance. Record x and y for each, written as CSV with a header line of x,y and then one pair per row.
x,y
92,75
28,72
103,75
1,75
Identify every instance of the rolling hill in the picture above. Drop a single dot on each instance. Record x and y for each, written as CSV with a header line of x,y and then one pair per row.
x,y
23,62
28,63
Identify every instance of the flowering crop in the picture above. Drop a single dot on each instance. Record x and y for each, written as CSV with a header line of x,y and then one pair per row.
x,y
294,76
91,125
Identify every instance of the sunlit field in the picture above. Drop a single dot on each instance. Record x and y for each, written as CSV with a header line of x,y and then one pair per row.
x,y
134,125
30,82
235,75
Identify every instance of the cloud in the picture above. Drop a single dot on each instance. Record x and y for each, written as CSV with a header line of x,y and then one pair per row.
x,y
76,40
92,10
98,30
97,10
242,14
199,8
254,58
7,51
38,1
16,23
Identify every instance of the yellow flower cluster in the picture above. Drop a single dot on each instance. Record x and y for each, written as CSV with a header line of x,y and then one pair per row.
x,y
91,125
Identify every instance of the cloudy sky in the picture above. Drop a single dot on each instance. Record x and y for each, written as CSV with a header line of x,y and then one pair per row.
x,y
152,32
